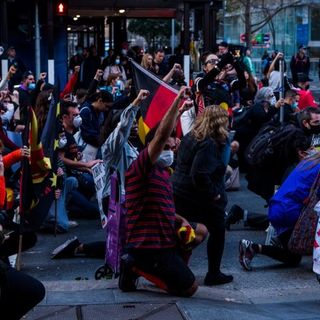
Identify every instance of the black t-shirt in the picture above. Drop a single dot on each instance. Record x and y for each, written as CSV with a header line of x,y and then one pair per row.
x,y
71,150
161,69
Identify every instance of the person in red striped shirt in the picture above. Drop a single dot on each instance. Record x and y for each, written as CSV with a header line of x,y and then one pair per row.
x,y
152,244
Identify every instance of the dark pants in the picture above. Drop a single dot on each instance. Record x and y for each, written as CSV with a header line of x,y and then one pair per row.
x,y
79,204
19,294
165,268
282,253
214,220
95,249
257,220
11,245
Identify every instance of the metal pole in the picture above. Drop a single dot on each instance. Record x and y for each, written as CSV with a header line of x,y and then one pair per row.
x,y
172,36
3,24
186,38
50,32
37,39
281,93
4,68
186,68
206,26
186,33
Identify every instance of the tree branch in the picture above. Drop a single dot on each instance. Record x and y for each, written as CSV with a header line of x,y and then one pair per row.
x,y
269,16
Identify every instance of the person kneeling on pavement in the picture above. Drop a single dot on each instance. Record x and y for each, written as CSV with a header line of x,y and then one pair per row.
x,y
151,222
284,210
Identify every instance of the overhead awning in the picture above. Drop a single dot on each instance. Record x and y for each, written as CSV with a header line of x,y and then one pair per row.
x,y
133,9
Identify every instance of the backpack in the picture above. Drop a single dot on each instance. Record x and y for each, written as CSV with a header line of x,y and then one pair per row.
x,y
241,117
270,143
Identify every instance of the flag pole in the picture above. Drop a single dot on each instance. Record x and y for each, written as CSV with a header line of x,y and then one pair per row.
x,y
55,216
21,217
281,93
18,261
22,205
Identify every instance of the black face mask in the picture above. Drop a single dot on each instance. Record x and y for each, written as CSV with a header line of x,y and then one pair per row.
x,y
315,129
307,87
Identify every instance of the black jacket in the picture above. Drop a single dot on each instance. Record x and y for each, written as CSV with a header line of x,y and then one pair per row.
x,y
199,173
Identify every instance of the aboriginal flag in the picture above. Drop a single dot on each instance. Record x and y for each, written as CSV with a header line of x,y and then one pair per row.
x,y
44,156
33,170
158,102
51,130
45,190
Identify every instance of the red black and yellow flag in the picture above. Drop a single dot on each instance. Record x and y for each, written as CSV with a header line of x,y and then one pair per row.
x,y
34,169
40,165
158,102
39,180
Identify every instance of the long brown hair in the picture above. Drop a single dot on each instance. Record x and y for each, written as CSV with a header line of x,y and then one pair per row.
x,y
145,63
212,122
41,108
251,83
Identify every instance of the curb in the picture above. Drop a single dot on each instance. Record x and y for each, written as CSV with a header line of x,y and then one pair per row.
x,y
106,292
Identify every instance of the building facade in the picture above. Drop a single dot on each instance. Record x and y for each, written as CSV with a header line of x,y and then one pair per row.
x,y
293,26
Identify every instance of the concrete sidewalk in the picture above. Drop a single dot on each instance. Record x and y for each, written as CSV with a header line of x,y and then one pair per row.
x,y
102,300
270,291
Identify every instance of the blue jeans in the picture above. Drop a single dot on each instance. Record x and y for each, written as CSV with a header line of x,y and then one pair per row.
x,y
78,202
62,215
86,184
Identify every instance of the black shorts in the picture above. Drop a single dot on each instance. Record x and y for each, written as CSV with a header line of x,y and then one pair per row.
x,y
165,266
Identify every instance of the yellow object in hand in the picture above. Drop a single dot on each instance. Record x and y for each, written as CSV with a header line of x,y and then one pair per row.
x,y
186,234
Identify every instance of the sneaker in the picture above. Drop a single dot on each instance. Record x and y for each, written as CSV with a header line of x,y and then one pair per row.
x,y
246,254
73,224
235,215
128,278
66,250
217,279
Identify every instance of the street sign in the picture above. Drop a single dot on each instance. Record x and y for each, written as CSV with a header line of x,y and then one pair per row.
x,y
259,39
243,37
266,37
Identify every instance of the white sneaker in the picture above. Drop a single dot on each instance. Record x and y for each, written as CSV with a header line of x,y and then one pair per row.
x,y
73,224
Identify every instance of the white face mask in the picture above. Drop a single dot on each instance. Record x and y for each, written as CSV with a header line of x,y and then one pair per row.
x,y
270,98
62,142
10,106
77,121
166,158
273,101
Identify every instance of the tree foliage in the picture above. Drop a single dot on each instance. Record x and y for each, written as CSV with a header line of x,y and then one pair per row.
x,y
152,29
257,13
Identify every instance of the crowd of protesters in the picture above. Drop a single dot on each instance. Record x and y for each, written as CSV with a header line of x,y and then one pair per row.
x,y
220,114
